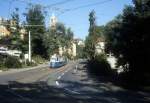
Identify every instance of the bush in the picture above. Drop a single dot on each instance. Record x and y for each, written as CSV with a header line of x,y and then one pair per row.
x,y
1,62
100,65
38,59
12,62
30,63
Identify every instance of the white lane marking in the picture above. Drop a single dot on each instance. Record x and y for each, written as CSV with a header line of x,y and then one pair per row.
x,y
59,77
72,91
57,83
62,74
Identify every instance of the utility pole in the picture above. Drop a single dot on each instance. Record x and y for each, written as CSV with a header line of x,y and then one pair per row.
x,y
29,47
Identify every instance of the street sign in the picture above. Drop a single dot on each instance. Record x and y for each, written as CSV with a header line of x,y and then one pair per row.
x,y
26,56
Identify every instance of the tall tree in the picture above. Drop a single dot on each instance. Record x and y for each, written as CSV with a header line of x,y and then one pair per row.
x,y
15,20
59,37
36,25
13,41
90,41
128,39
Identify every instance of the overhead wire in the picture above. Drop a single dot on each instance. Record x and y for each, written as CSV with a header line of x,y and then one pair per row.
x,y
59,3
87,5
62,11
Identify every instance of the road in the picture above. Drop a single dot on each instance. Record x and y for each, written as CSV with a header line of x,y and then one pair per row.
x,y
63,85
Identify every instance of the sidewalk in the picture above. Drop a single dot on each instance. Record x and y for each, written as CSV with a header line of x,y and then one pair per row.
x,y
16,70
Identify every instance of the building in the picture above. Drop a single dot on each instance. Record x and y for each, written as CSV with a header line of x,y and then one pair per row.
x,y
12,24
53,21
79,42
71,51
23,32
100,46
61,51
3,29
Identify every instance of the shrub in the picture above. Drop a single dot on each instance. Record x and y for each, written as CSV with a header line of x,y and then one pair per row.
x,y
2,61
30,63
100,65
38,59
12,62
1,64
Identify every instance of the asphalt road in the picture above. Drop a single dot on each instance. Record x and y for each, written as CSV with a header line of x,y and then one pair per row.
x,y
63,85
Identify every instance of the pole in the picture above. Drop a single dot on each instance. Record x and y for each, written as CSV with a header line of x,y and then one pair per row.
x,y
29,47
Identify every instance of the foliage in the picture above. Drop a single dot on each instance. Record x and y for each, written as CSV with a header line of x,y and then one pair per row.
x,y
95,32
89,48
35,16
38,59
97,62
1,61
28,64
66,55
60,37
13,41
91,38
12,62
128,39
80,51
100,66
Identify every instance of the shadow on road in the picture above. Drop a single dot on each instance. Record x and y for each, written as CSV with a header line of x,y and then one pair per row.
x,y
106,93
82,91
40,92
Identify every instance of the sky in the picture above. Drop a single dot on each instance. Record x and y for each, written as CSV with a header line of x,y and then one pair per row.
x,y
78,16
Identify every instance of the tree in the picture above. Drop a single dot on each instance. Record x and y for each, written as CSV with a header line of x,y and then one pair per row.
x,y
16,20
80,51
92,21
128,39
13,41
59,37
68,37
15,28
90,41
35,17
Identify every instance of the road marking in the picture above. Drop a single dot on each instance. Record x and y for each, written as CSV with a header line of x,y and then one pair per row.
x,y
72,91
59,77
62,74
57,83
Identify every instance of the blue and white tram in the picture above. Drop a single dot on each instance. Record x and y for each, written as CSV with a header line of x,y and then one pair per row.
x,y
56,61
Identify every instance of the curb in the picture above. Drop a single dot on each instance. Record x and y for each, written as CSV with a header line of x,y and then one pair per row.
x,y
23,69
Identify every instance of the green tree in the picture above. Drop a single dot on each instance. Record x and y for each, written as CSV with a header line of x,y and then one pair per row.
x,y
90,41
80,51
35,20
13,41
128,39
51,43
61,36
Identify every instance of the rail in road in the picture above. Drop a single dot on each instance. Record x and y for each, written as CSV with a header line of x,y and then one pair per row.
x,y
25,77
